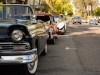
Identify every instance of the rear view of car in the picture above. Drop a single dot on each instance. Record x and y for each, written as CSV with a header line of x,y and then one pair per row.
x,y
84,20
93,22
77,19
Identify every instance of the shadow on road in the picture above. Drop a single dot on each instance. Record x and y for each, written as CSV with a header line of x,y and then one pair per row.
x,y
11,70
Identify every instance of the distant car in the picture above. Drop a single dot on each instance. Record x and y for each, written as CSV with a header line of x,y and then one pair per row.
x,y
98,20
93,22
76,19
49,22
84,20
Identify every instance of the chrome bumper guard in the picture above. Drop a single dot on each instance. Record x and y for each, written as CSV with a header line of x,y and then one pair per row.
x,y
25,56
21,59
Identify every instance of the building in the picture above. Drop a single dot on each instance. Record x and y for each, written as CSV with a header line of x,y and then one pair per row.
x,y
29,2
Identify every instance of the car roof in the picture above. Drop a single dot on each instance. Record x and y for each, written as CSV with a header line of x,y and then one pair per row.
x,y
15,4
42,14
56,13
23,15
93,18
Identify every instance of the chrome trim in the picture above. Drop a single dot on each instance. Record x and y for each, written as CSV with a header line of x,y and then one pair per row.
x,y
17,56
18,52
19,59
8,46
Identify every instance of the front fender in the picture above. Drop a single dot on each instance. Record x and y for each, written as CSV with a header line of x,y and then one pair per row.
x,y
60,25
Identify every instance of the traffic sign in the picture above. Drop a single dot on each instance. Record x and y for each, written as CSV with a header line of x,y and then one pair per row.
x,y
89,7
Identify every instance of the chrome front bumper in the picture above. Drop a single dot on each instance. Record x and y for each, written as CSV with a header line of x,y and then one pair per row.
x,y
19,59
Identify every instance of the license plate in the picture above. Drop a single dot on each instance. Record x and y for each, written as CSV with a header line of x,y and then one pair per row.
x,y
20,47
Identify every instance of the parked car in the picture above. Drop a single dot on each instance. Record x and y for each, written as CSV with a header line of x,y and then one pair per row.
x,y
84,20
24,17
61,22
98,20
76,19
21,42
93,22
50,24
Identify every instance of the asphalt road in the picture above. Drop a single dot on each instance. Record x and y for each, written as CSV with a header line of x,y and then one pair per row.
x,y
75,53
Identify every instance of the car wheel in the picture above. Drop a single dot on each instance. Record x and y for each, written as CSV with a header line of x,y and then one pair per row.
x,y
53,41
56,37
45,50
31,68
63,30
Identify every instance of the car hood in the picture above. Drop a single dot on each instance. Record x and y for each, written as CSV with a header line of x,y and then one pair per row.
x,y
14,21
6,24
56,19
60,25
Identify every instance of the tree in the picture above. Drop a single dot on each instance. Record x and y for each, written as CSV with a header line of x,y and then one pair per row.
x,y
69,9
46,7
61,6
82,5
97,11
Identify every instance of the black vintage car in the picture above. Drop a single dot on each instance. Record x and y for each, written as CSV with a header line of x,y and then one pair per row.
x,y
21,41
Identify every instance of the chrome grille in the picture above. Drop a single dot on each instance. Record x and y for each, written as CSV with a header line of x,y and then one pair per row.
x,y
9,46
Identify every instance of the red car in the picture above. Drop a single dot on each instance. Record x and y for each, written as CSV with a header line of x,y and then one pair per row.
x,y
48,21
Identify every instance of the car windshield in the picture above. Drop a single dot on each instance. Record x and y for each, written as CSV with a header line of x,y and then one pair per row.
x,y
22,17
76,17
43,18
9,11
93,20
56,17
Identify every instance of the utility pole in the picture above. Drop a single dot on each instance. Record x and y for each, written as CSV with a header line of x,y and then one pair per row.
x,y
33,5
6,1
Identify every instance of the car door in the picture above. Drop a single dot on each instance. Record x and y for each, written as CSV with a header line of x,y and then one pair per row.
x,y
43,36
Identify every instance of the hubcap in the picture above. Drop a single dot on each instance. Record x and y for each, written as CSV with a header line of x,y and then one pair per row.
x,y
46,48
32,66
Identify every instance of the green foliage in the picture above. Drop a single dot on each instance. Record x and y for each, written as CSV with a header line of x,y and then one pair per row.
x,y
97,11
60,6
68,9
81,5
46,7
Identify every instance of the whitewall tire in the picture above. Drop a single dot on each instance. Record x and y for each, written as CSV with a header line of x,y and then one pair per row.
x,y
45,50
30,68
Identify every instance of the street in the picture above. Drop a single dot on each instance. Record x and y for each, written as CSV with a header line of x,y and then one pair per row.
x,y
75,53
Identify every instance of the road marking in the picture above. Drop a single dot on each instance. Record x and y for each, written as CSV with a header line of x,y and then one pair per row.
x,y
67,48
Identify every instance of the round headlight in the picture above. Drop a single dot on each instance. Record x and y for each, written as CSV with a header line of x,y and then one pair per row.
x,y
17,35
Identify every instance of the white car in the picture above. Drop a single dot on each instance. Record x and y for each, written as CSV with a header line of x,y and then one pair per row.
x,y
61,23
84,20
